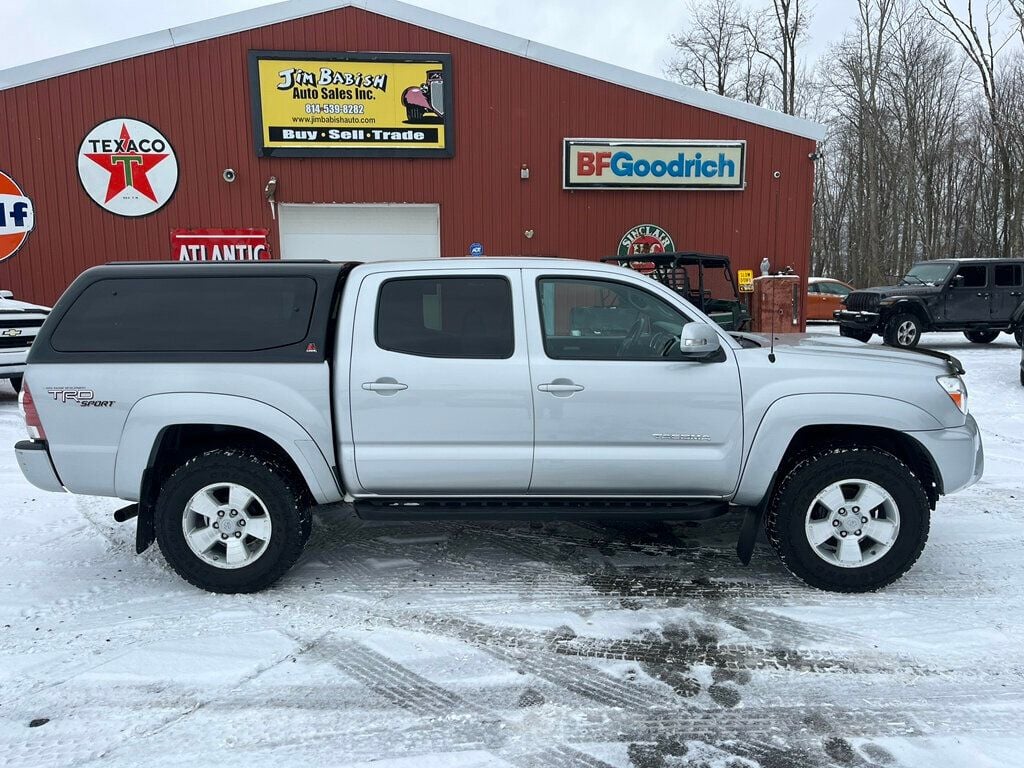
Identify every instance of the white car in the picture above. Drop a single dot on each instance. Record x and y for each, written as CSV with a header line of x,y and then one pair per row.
x,y
19,323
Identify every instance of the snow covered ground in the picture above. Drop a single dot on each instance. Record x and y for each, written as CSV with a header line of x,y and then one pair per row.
x,y
455,644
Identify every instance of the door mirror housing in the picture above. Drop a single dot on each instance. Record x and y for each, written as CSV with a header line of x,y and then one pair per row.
x,y
958,281
699,342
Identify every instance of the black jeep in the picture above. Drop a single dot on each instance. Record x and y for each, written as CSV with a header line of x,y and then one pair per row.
x,y
976,296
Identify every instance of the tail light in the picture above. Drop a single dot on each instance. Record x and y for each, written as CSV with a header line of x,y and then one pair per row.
x,y
28,411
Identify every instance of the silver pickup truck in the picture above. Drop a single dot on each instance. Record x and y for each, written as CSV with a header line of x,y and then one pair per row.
x,y
225,401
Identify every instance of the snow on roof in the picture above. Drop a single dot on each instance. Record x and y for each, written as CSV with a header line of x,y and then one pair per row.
x,y
410,14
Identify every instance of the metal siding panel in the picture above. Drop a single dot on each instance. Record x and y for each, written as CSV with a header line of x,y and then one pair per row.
x,y
508,111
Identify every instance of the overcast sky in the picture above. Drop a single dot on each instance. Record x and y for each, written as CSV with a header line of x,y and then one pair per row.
x,y
630,33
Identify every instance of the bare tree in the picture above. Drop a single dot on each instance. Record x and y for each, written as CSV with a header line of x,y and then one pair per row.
x,y
716,55
776,34
981,43
924,152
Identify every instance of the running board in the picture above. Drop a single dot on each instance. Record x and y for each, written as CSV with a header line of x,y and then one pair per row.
x,y
537,509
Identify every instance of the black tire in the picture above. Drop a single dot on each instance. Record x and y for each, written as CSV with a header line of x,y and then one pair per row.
x,y
981,337
789,508
855,333
414,113
903,331
1018,336
16,383
286,500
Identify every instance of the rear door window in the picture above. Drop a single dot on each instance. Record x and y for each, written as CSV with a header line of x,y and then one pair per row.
x,y
460,317
1008,275
188,314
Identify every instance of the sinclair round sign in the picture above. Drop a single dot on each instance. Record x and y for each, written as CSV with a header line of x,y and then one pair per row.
x,y
645,238
127,167
17,216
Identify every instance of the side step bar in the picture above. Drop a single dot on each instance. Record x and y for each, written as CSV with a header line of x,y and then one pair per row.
x,y
538,509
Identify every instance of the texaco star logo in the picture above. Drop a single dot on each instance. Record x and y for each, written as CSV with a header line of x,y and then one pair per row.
x,y
127,167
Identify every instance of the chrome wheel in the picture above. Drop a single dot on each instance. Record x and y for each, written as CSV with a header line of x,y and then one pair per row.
x,y
852,523
906,333
226,525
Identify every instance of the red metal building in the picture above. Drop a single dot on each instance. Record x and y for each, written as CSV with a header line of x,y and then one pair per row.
x,y
118,146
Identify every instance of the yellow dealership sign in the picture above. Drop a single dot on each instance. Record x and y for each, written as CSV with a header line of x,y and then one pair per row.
x,y
362,105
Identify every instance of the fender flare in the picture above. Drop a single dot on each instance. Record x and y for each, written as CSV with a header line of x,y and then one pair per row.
x,y
910,304
150,416
788,415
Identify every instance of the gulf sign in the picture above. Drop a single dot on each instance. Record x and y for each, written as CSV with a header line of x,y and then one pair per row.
x,y
17,216
653,164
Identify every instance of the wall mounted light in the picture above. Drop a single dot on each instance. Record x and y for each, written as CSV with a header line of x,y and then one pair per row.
x,y
268,192
524,172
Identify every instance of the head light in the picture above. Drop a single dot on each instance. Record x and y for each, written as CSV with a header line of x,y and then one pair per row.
x,y
956,389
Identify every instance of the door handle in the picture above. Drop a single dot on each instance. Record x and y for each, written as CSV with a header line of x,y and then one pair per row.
x,y
982,295
385,385
561,387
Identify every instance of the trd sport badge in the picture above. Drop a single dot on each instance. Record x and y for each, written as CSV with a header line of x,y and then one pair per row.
x,y
127,167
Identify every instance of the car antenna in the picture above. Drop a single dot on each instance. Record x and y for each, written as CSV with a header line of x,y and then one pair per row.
x,y
771,347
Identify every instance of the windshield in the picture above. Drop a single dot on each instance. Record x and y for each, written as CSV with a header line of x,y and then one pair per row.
x,y
927,274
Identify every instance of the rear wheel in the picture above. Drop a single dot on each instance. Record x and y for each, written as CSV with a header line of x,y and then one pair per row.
x,y
903,331
232,521
981,337
849,520
855,333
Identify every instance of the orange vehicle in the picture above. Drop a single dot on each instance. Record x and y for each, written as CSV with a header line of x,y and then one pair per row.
x,y
824,296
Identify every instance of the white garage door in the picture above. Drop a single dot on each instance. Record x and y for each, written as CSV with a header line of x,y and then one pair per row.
x,y
360,232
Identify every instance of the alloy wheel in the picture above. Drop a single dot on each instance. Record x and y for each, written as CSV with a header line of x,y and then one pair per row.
x,y
852,523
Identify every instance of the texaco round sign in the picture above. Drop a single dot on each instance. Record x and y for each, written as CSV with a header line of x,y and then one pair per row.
x,y
127,167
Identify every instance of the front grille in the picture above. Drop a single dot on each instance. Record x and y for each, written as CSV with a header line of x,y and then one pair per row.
x,y
862,301
16,342
16,321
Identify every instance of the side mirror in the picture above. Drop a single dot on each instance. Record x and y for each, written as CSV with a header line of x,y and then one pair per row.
x,y
958,281
698,341
6,294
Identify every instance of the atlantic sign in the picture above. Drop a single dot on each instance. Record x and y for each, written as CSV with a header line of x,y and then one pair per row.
x,y
657,164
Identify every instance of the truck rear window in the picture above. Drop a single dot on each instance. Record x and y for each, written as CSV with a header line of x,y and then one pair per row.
x,y
188,314
462,317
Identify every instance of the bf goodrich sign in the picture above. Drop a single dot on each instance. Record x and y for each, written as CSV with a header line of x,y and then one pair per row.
x,y
127,167
653,164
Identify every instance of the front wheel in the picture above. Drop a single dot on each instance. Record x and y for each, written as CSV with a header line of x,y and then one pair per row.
x,y
855,333
232,521
981,337
849,520
903,331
